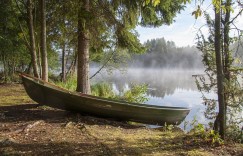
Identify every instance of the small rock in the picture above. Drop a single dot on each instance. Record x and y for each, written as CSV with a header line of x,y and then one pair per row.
x,y
81,126
30,126
70,124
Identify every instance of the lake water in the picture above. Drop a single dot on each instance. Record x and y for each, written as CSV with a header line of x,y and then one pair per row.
x,y
166,87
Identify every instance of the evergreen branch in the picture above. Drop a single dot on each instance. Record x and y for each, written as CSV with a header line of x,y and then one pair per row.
x,y
112,54
25,38
20,10
235,69
108,11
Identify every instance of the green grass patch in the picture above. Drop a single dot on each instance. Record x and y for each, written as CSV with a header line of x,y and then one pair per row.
x,y
13,94
70,83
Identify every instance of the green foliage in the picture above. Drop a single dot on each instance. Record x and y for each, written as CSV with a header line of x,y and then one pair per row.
x,y
199,129
197,13
103,90
235,133
168,128
136,94
217,4
162,13
153,2
127,39
14,41
6,78
13,52
210,136
70,83
214,137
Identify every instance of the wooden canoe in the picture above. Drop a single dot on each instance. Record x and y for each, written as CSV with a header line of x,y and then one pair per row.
x,y
51,95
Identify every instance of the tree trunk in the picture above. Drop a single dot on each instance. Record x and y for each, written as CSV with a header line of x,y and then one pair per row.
x,y
226,41
83,84
39,59
73,65
63,64
44,62
227,58
32,38
220,76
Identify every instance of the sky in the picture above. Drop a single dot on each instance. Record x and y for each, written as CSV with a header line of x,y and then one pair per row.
x,y
183,31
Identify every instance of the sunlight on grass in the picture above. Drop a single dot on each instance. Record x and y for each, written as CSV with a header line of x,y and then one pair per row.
x,y
13,95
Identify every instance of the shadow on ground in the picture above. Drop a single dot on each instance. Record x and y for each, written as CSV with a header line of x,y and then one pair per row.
x,y
34,112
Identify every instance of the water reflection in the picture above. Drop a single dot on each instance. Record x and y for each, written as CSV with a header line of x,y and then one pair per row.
x,y
160,82
167,87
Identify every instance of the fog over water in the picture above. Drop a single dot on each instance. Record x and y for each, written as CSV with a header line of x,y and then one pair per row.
x,y
167,70
166,87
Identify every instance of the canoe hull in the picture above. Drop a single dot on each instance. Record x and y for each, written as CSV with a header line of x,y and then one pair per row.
x,y
51,95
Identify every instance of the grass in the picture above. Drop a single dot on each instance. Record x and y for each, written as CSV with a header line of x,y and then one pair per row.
x,y
70,83
13,94
103,90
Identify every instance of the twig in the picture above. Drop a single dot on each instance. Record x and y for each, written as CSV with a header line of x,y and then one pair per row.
x,y
239,13
103,65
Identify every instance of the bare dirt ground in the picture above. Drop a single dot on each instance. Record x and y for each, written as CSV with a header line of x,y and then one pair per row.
x,y
27,128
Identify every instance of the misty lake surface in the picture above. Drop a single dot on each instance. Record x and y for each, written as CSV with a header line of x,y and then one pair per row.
x,y
166,87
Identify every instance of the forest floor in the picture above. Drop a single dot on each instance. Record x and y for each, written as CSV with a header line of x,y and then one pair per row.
x,y
27,128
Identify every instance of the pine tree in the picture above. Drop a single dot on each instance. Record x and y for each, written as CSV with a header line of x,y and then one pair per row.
x,y
110,24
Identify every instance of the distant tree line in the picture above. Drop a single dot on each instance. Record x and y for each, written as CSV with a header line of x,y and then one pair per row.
x,y
161,53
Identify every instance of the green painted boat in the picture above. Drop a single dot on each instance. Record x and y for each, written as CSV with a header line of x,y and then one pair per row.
x,y
51,95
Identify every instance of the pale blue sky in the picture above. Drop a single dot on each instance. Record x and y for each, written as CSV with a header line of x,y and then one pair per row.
x,y
183,30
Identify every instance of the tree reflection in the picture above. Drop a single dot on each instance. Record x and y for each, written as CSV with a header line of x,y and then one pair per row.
x,y
161,82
